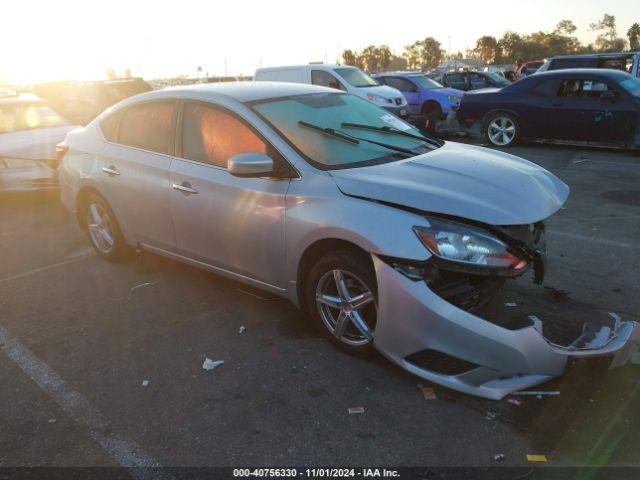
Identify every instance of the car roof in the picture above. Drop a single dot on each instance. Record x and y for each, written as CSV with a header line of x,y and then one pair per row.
x,y
307,66
240,91
596,55
581,72
21,98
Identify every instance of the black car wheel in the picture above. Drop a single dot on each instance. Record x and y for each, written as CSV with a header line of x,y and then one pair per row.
x,y
502,130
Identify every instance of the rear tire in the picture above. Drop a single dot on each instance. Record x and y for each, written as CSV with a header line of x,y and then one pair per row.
x,y
432,111
501,130
103,230
346,315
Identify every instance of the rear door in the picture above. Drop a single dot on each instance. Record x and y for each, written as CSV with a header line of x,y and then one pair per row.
x,y
134,168
232,223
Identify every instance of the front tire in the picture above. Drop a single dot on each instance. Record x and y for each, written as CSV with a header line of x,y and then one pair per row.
x,y
341,299
502,130
102,228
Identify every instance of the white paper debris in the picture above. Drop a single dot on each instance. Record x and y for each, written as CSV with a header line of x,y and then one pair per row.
x,y
142,285
211,364
355,410
510,304
145,383
395,122
242,329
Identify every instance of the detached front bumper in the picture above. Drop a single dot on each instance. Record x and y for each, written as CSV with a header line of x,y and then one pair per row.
x,y
490,361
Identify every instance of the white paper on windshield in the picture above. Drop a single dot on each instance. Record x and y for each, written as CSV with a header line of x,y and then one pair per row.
x,y
395,122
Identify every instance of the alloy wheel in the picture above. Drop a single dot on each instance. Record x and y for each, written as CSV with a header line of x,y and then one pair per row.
x,y
100,228
347,307
502,131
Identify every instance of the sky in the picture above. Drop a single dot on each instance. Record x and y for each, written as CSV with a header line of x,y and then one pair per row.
x,y
71,39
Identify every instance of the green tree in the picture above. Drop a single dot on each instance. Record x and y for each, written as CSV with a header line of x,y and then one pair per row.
x,y
486,49
633,34
349,58
608,40
566,27
425,53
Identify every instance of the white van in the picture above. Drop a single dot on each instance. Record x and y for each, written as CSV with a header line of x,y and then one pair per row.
x,y
349,79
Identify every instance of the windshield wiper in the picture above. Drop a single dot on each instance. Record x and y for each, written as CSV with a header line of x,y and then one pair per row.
x,y
353,139
394,131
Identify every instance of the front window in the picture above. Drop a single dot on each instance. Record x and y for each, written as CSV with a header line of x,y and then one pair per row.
x,y
426,82
212,136
356,78
332,110
17,117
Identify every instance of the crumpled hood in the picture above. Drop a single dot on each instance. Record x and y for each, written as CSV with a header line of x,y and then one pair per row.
x,y
464,181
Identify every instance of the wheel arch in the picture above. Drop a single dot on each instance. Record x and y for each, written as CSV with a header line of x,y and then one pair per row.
x,y
430,101
487,115
314,251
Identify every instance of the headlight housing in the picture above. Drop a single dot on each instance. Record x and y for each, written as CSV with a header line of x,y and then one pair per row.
x,y
378,100
470,246
453,98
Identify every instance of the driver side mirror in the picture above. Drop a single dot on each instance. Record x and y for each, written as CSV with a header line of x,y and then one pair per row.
x,y
607,96
250,165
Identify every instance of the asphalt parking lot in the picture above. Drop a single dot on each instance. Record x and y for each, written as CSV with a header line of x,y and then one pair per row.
x,y
79,335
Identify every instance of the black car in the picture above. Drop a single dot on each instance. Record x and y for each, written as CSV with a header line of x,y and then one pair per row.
x,y
581,105
625,61
471,80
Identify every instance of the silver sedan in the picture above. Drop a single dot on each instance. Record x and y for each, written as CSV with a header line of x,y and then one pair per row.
x,y
351,213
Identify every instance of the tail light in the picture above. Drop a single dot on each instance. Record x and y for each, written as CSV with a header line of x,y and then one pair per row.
x,y
61,149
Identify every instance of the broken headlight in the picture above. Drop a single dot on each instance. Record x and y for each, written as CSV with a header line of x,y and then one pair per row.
x,y
469,246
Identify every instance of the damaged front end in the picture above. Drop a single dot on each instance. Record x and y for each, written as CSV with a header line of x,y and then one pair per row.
x,y
433,322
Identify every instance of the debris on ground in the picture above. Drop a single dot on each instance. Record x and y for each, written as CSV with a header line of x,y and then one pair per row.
x,y
514,401
427,392
539,394
581,160
491,415
355,410
498,457
211,364
557,294
242,329
536,458
145,383
52,420
142,285
510,304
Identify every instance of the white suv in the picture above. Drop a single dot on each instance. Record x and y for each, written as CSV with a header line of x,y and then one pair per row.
x,y
349,79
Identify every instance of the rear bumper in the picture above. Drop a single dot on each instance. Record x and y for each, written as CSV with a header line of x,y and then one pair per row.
x,y
412,318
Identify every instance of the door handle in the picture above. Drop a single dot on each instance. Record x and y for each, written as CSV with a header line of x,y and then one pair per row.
x,y
185,188
110,170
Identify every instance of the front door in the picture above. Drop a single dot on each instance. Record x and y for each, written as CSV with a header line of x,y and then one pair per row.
x,y
232,223
409,91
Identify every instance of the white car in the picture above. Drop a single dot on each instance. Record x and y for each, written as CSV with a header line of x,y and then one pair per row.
x,y
341,77
30,129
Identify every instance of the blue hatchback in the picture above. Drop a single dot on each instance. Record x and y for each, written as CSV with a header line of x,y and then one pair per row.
x,y
425,96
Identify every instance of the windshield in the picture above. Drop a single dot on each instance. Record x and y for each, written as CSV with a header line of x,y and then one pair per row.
x,y
332,110
14,118
497,78
631,85
356,78
426,82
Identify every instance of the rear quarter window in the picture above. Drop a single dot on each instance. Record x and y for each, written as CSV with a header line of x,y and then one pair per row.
x,y
109,126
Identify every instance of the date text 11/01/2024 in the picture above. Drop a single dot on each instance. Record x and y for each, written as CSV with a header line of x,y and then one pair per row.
x,y
316,472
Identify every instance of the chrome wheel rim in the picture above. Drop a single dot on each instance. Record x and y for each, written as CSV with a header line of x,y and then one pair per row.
x,y
347,307
502,130
100,228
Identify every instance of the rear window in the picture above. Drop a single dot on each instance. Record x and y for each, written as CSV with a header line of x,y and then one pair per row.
x,y
149,126
18,117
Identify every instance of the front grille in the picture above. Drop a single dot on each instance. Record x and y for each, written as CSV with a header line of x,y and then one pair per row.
x,y
465,291
440,362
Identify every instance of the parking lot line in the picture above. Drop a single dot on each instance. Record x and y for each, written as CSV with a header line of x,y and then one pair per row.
x,y
43,269
127,453
603,241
